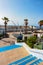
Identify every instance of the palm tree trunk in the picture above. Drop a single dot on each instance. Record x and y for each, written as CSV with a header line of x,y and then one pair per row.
x,y
26,29
32,28
5,28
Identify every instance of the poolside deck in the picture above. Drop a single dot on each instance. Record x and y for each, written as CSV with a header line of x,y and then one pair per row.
x,y
7,41
41,63
12,55
2,43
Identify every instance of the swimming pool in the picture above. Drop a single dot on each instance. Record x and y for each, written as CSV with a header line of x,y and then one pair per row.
x,y
6,48
21,60
26,60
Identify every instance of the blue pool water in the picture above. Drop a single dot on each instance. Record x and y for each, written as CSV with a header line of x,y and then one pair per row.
x,y
27,59
36,62
6,48
18,61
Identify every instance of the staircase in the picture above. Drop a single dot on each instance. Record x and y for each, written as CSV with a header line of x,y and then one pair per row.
x,y
27,60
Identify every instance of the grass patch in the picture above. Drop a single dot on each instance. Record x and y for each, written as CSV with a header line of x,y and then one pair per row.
x,y
39,46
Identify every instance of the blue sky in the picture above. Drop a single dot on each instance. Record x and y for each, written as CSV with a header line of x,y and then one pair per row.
x,y
18,10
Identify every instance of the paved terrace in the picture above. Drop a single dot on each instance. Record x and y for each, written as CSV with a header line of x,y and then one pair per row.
x,y
2,43
12,55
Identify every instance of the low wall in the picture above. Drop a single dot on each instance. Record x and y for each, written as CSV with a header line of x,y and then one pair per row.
x,y
34,52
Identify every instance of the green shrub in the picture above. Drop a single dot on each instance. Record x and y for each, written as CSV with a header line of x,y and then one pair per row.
x,y
31,41
30,44
42,37
1,35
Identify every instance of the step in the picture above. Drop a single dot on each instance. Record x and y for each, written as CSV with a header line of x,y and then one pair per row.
x,y
36,62
28,60
18,61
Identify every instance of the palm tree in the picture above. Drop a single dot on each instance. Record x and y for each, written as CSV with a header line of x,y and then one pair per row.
x,y
26,23
40,23
5,22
